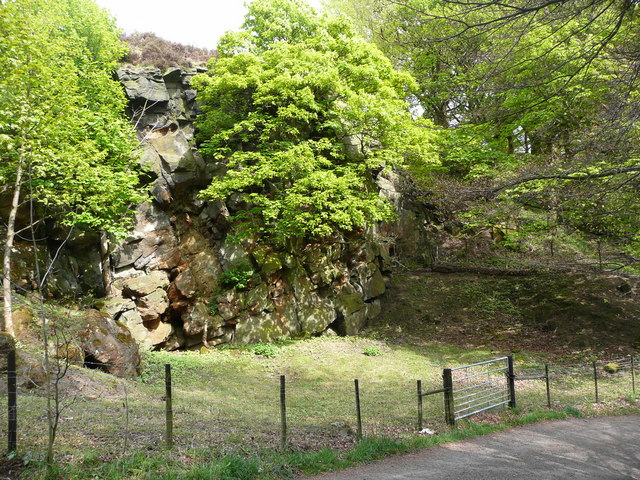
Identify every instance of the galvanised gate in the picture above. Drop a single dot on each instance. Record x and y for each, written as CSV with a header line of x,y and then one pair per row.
x,y
474,388
478,387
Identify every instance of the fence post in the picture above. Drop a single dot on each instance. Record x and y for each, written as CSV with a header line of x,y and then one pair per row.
x,y
12,398
358,411
546,377
633,375
168,406
419,384
447,384
511,380
595,380
283,413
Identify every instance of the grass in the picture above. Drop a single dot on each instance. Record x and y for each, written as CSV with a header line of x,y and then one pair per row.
x,y
271,464
227,411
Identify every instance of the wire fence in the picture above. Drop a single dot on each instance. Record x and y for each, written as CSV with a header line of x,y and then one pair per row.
x,y
198,409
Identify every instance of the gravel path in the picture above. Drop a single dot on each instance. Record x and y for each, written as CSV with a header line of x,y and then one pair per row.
x,y
594,449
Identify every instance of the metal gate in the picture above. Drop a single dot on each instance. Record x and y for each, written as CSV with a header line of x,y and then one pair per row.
x,y
478,387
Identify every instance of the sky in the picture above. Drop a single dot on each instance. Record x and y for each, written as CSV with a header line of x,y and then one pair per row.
x,y
192,22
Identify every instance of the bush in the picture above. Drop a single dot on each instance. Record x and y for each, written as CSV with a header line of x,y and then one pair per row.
x,y
265,350
372,351
611,367
148,49
237,278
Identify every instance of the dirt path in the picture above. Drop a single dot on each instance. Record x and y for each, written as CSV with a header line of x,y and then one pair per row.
x,y
595,449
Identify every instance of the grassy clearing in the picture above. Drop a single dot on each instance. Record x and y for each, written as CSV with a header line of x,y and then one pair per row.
x,y
226,409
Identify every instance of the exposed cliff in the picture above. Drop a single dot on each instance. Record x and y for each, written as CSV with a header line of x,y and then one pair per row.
x,y
182,279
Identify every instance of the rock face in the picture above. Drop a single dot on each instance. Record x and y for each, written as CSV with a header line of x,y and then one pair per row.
x,y
180,281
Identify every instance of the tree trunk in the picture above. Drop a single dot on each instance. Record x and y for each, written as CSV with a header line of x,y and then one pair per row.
x,y
7,319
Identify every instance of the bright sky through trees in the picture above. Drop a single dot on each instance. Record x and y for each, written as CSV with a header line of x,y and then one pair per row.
x,y
192,22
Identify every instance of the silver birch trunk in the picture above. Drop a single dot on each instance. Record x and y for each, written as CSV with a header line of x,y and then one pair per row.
x,y
7,319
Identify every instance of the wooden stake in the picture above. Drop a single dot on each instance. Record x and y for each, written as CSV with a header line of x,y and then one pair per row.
x,y
168,406
12,400
546,377
419,405
595,380
283,413
358,411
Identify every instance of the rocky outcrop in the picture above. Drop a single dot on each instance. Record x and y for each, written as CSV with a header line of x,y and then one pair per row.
x,y
180,279
162,108
186,290
176,275
76,337
413,235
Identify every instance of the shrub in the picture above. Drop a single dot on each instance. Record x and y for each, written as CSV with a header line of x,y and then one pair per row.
x,y
148,49
237,278
372,351
611,367
265,350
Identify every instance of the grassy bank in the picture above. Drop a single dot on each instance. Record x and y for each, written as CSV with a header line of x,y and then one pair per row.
x,y
207,464
226,409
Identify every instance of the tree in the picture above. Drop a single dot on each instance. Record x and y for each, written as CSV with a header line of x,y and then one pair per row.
x,y
538,112
65,145
303,112
440,67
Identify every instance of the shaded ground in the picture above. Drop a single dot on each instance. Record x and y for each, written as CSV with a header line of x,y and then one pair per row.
x,y
10,468
596,448
548,313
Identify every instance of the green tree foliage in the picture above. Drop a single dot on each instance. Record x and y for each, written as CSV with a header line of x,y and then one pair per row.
x,y
304,112
61,112
524,88
64,142
538,107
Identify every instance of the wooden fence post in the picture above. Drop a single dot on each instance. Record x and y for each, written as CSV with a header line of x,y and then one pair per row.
x,y
511,380
595,380
419,405
546,377
449,408
633,375
168,406
283,413
12,401
358,411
